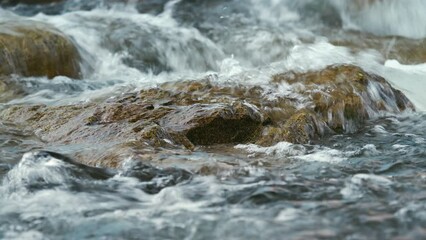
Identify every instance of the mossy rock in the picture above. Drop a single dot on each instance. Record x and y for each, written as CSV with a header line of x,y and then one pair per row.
x,y
341,98
30,48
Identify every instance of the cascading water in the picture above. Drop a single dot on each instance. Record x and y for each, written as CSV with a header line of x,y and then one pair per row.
x,y
364,185
385,17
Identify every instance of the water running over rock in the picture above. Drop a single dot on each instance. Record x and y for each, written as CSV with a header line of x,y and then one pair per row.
x,y
192,119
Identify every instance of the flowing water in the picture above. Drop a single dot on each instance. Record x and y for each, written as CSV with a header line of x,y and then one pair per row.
x,y
367,185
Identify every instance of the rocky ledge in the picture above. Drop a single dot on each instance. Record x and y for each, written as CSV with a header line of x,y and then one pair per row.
x,y
187,114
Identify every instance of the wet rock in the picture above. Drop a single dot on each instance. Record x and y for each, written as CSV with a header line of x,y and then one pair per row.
x,y
138,123
36,49
339,100
183,115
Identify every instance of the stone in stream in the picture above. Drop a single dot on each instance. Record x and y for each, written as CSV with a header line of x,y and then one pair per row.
x,y
176,116
30,48
151,118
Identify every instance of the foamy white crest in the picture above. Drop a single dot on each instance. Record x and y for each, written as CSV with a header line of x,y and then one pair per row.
x,y
357,186
33,168
324,155
177,46
289,214
410,79
280,149
297,151
306,57
274,11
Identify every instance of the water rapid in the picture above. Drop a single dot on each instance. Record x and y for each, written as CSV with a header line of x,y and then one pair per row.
x,y
362,183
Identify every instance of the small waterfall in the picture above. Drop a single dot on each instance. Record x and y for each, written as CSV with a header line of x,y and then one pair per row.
x,y
391,17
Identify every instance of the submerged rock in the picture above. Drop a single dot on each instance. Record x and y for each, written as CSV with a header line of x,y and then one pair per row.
x,y
184,115
36,49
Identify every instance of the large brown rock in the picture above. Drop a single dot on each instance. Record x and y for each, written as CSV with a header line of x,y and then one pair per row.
x,y
138,122
31,48
181,116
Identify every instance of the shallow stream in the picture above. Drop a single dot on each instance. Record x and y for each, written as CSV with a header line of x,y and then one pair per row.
x,y
367,185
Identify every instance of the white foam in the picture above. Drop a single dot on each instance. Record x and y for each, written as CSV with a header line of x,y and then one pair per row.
x,y
86,28
355,188
279,149
324,155
274,11
410,79
317,56
297,151
289,214
30,235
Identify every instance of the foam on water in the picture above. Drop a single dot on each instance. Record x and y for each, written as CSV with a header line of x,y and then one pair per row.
x,y
359,184
296,151
410,79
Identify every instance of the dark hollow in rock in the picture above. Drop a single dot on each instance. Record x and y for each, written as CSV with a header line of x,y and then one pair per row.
x,y
215,124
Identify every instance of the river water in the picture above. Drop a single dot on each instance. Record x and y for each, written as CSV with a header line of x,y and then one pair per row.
x,y
368,185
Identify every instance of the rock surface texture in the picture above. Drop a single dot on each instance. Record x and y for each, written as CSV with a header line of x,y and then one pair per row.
x,y
184,115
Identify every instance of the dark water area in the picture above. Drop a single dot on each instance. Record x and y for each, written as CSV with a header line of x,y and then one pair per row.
x,y
369,184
